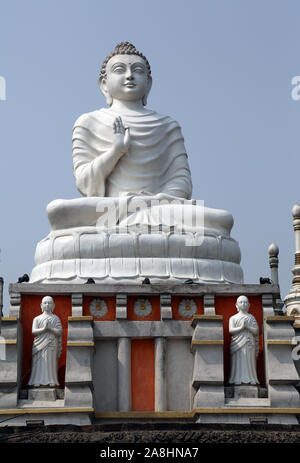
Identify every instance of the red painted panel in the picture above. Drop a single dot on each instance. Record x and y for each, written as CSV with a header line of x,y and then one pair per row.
x,y
111,305
175,305
226,306
31,308
154,315
142,374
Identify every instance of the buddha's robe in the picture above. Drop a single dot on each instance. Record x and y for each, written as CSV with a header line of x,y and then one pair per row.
x,y
155,163
244,349
46,350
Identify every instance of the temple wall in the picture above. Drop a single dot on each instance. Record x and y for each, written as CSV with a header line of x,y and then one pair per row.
x,y
150,349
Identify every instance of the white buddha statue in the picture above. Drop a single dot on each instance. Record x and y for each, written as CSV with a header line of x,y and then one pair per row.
x,y
130,165
147,157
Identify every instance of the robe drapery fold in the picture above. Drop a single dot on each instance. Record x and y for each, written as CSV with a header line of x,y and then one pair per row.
x,y
156,161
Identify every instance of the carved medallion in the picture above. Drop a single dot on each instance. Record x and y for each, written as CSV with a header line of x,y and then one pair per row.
x,y
187,308
142,307
98,308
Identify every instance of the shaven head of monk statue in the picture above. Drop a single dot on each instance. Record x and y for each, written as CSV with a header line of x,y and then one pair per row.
x,y
125,77
242,304
47,304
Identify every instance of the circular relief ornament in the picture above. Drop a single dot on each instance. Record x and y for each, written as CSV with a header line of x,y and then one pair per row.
x,y
98,308
187,308
142,307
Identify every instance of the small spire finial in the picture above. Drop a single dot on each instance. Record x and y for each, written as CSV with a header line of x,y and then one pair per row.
x,y
273,262
273,250
296,210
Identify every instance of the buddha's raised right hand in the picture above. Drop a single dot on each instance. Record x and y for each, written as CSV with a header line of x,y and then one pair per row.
x,y
121,142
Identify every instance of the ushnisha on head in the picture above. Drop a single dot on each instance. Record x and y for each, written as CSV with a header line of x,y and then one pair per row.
x,y
47,304
242,304
125,75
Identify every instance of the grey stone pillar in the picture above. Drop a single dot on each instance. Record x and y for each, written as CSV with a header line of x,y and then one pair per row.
x,y
79,365
208,375
281,373
121,306
209,304
124,375
160,375
267,305
166,306
77,301
15,305
10,361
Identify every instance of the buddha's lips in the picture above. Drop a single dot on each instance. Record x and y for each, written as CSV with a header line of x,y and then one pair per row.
x,y
129,85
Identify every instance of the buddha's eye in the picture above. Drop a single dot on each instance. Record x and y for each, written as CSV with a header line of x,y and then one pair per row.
x,y
139,70
119,69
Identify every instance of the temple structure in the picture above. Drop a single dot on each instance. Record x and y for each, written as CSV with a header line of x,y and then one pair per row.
x,y
145,283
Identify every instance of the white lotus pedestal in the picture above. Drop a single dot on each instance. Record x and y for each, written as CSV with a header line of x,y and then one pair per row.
x,y
144,243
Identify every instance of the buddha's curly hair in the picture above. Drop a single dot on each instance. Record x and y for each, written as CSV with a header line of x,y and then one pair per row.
x,y
123,48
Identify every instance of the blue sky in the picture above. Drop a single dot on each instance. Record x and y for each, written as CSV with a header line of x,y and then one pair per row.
x,y
223,69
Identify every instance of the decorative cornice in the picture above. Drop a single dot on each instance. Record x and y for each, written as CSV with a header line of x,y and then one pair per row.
x,y
199,411
29,411
207,342
278,318
279,342
80,344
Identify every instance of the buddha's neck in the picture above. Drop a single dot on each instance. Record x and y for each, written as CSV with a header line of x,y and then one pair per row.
x,y
128,107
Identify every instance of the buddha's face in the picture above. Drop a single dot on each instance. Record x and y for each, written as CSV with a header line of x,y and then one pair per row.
x,y
127,78
47,304
242,304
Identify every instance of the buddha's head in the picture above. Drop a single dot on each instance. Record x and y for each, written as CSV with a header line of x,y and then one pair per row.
x,y
242,304
125,75
47,304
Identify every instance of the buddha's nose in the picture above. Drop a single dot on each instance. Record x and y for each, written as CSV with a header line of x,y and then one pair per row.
x,y
129,75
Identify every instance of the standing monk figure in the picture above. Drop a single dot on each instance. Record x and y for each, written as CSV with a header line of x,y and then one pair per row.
x,y
244,345
46,349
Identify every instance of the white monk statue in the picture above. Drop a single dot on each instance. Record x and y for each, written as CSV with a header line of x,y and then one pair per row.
x,y
131,167
47,344
244,345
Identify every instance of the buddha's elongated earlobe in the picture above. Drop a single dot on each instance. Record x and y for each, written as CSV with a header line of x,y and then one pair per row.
x,y
144,100
107,95
145,97
109,99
